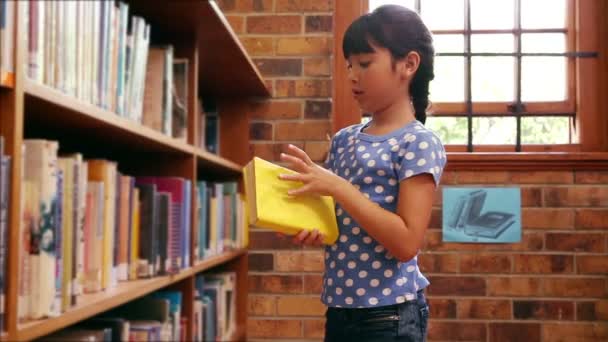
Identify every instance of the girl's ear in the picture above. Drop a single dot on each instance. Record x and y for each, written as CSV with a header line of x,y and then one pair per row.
x,y
410,64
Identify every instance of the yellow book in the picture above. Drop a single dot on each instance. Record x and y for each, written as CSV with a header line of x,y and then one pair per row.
x,y
269,205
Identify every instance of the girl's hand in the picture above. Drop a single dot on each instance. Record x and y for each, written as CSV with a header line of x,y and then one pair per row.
x,y
307,238
317,180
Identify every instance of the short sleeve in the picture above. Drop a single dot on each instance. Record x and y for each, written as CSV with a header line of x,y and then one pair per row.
x,y
331,155
422,153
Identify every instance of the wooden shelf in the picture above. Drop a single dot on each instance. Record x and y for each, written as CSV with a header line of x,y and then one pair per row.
x,y
210,162
7,79
225,69
95,303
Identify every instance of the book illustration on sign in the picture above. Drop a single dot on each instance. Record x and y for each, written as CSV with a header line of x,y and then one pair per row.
x,y
468,215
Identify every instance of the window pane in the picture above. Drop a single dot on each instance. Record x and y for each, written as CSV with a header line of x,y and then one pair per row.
x,y
451,130
448,85
373,4
545,130
493,79
443,14
448,42
494,130
543,42
543,14
492,43
543,79
492,14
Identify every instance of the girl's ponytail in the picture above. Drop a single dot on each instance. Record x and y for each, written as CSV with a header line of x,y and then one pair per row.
x,y
419,90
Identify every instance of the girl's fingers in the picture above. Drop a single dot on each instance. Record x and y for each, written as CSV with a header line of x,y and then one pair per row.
x,y
299,238
297,164
301,154
312,237
320,240
291,177
299,191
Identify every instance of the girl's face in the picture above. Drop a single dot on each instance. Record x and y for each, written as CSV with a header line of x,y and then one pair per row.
x,y
376,83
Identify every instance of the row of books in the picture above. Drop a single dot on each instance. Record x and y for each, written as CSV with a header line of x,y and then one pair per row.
x,y
92,51
86,227
7,41
5,163
159,316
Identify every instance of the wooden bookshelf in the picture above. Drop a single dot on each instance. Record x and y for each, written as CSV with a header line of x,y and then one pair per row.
x,y
220,69
7,79
91,304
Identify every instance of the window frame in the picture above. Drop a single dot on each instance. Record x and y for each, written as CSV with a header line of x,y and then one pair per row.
x,y
587,23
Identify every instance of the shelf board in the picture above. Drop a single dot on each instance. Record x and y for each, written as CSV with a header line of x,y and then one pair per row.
x,y
95,303
66,116
211,161
225,69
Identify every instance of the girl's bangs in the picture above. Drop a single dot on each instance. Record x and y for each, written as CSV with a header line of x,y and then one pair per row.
x,y
356,38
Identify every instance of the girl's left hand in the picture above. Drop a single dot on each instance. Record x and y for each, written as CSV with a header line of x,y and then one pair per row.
x,y
317,180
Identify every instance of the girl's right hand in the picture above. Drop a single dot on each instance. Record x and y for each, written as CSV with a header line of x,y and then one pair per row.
x,y
307,238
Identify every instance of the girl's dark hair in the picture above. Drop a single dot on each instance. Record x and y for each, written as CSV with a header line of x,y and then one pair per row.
x,y
400,30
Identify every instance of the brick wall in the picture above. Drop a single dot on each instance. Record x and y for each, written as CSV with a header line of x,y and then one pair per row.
x,y
553,286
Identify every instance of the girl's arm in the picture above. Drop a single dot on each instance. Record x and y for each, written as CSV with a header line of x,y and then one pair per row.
x,y
401,233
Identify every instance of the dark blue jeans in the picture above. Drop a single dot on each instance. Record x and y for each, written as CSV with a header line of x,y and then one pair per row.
x,y
398,323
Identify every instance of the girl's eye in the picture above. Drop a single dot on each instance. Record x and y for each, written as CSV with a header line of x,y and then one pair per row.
x,y
364,64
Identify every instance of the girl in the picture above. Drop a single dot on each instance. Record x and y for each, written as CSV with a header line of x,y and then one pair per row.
x,y
383,176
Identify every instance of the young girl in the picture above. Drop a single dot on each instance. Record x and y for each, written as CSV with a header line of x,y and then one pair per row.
x,y
383,176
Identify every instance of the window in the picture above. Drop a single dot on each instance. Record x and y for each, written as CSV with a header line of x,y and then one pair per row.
x,y
506,72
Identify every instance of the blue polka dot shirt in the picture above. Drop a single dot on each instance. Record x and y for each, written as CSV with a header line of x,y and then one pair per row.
x,y
359,271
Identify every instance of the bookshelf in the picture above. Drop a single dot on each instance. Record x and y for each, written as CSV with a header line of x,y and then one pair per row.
x,y
219,68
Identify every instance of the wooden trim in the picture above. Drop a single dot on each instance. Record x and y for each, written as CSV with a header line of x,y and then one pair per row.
x,y
543,161
7,79
92,304
346,111
511,148
485,108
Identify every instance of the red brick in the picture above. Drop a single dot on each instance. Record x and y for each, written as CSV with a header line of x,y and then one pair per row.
x,y
592,264
319,23
258,46
317,66
542,177
270,67
300,46
591,177
559,332
303,88
274,328
508,332
314,328
436,219
271,110
457,286
317,109
484,309
269,151
530,242
237,22
580,196
262,305
261,262
300,262
304,5
442,307
264,240
543,310
456,331
514,286
313,283
583,242
592,310
260,131
574,287
441,263
547,218
316,150
591,218
449,177
275,24
276,284
486,177
303,130
245,5
485,263
534,264
300,306
531,197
